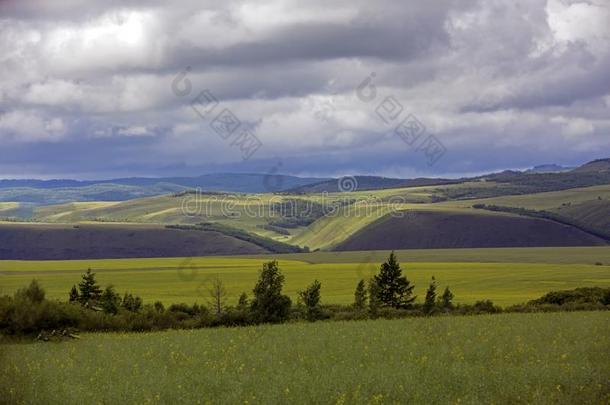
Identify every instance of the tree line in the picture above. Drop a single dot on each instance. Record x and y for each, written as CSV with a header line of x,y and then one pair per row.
x,y
388,294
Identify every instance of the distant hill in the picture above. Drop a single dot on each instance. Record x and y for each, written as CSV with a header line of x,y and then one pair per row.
x,y
363,183
230,182
599,165
63,191
550,168
541,178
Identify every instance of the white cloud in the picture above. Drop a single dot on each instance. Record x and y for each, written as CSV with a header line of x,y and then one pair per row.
x,y
484,76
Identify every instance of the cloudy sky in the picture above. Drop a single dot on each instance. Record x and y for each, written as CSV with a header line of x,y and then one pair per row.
x,y
101,89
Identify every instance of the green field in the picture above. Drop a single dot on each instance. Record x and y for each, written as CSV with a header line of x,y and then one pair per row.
x,y
252,212
506,276
559,358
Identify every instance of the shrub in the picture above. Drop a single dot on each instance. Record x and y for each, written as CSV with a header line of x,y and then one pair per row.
x,y
131,302
33,292
591,295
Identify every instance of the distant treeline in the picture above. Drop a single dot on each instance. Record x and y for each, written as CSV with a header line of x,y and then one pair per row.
x,y
388,294
546,215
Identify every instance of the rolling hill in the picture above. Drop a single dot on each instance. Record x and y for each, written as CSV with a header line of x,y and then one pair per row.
x,y
503,209
48,242
434,229
62,191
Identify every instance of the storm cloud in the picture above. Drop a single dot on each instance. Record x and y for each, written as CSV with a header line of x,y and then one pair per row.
x,y
106,88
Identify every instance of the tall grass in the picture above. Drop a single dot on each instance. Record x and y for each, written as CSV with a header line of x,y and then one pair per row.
x,y
512,358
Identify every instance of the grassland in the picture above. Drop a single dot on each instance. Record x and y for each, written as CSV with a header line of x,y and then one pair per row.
x,y
251,212
506,276
560,358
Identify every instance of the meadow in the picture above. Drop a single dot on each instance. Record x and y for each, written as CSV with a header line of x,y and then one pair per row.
x,y
558,358
506,276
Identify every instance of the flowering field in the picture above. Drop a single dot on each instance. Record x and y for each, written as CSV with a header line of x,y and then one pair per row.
x,y
511,358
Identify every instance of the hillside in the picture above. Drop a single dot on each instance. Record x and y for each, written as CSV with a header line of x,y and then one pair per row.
x,y
48,242
62,191
599,165
347,220
432,229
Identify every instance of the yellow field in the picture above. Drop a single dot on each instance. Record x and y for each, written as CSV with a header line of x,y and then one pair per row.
x,y
476,274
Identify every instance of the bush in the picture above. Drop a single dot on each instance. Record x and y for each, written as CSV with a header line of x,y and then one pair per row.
x,y
592,295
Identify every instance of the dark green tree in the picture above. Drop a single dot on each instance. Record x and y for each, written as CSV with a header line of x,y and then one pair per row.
x,y
430,301
311,299
131,302
74,297
33,292
159,307
394,290
89,290
374,302
269,304
360,296
446,299
242,302
110,300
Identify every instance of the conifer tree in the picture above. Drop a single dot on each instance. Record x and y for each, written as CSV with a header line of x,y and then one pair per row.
x,y
394,290
74,294
445,300
110,300
360,296
90,291
430,300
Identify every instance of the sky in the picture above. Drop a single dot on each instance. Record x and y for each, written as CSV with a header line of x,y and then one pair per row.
x,y
99,89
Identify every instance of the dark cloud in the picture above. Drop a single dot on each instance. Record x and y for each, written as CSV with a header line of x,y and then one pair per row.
x,y
86,87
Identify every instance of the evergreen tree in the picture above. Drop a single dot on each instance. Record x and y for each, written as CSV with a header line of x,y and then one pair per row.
x,y
430,300
311,299
374,302
360,296
445,300
394,290
110,300
74,297
269,304
90,291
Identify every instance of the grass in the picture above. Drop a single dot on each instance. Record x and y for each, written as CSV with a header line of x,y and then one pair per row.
x,y
471,274
559,358
251,211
